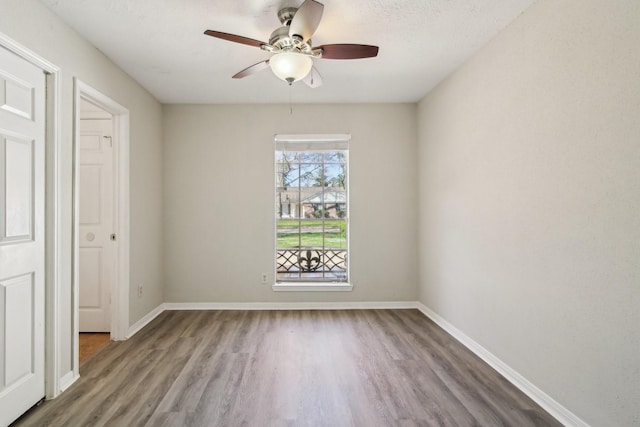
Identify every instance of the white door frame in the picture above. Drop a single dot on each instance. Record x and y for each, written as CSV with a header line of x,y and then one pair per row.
x,y
120,287
53,217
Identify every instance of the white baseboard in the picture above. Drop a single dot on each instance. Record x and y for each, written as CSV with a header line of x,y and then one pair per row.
x,y
550,405
133,329
289,305
67,381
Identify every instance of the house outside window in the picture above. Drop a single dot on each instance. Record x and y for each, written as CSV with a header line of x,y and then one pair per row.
x,y
312,223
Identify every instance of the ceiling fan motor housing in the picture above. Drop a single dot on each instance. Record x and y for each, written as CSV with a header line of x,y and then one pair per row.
x,y
281,40
285,15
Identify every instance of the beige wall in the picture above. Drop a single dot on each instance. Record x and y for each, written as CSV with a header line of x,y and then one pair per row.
x,y
528,191
219,199
529,159
33,26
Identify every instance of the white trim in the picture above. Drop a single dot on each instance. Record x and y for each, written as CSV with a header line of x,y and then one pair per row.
x,y
550,405
75,231
364,305
311,287
120,320
53,382
120,287
136,327
27,54
68,380
169,306
52,214
312,137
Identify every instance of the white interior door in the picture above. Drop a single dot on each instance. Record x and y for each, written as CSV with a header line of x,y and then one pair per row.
x,y
22,250
97,251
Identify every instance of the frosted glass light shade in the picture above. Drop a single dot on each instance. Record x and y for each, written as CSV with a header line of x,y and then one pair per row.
x,y
290,66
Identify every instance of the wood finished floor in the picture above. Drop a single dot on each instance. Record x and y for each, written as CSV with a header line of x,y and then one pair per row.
x,y
91,342
289,368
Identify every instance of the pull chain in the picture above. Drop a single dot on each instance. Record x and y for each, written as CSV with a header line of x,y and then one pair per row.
x,y
290,105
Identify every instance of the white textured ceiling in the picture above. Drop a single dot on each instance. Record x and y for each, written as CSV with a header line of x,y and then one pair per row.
x,y
160,43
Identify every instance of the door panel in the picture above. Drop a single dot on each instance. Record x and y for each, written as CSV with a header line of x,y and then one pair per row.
x,y
90,194
91,275
97,252
18,178
19,357
22,253
16,95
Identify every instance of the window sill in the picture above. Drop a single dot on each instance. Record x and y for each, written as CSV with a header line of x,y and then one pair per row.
x,y
312,287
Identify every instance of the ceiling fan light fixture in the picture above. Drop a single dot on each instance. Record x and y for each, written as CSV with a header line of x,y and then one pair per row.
x,y
292,47
290,66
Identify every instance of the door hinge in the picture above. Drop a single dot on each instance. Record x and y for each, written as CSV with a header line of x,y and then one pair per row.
x,y
113,237
110,140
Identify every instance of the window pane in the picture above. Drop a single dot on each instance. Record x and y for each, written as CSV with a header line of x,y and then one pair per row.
x,y
335,234
286,156
334,175
310,175
335,157
311,234
288,175
285,208
288,234
310,157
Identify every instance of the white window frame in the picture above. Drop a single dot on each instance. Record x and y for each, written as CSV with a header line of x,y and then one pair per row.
x,y
302,142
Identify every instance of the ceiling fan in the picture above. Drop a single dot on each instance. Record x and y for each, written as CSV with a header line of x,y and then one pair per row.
x,y
292,48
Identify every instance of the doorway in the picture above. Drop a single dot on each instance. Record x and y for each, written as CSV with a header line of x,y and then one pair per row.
x,y
101,216
97,242
97,227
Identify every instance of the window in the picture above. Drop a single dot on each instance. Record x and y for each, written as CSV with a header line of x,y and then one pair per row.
x,y
312,209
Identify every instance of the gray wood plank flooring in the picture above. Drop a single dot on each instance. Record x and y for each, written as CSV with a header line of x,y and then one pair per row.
x,y
289,368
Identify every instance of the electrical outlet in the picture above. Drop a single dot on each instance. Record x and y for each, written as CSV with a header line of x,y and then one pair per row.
x,y
264,277
140,290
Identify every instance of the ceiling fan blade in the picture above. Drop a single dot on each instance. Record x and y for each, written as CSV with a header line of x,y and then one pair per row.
x,y
306,20
235,38
313,79
348,51
252,69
